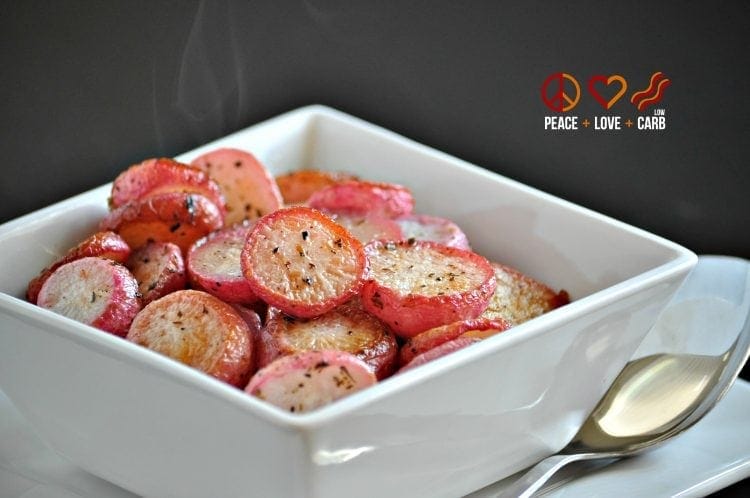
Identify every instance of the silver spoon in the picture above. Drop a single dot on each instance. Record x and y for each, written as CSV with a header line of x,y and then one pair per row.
x,y
658,396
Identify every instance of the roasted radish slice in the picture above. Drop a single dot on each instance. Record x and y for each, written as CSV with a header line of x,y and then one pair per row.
x,y
199,330
160,176
441,350
478,328
297,186
519,298
367,228
417,285
434,228
346,328
177,217
159,269
95,291
103,244
305,381
249,189
302,262
213,264
359,198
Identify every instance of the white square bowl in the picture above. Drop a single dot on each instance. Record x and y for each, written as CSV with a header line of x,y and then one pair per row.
x,y
161,429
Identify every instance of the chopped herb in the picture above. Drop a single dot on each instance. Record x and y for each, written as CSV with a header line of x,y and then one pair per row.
x,y
93,297
275,250
305,234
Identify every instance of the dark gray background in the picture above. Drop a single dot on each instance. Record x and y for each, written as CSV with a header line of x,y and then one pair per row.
x,y
90,87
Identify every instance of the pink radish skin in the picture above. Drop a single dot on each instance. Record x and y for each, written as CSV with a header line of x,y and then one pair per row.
x,y
479,328
105,244
439,351
160,176
95,291
297,186
249,189
418,285
309,380
213,264
177,217
433,228
159,269
364,198
199,330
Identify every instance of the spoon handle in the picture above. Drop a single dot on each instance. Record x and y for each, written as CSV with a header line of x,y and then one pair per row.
x,y
536,476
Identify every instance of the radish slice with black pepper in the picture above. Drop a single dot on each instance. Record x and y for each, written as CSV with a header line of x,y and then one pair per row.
x,y
479,328
199,330
305,381
518,297
345,328
213,264
95,291
177,217
434,228
159,269
417,285
248,187
360,197
160,176
105,244
302,262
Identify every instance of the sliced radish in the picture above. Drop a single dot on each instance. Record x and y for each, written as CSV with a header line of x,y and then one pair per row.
x,y
160,176
302,262
367,228
309,380
249,189
434,228
519,298
95,291
360,198
159,269
213,264
105,244
177,217
438,351
199,330
345,328
297,186
478,328
417,285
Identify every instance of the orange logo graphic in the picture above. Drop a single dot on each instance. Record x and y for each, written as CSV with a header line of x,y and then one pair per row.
x,y
554,94
653,94
607,81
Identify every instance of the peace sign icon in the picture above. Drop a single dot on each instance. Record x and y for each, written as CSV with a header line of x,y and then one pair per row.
x,y
554,95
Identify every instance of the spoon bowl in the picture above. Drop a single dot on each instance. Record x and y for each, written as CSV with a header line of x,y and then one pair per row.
x,y
660,395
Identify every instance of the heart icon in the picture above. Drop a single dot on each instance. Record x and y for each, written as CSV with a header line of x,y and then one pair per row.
x,y
615,78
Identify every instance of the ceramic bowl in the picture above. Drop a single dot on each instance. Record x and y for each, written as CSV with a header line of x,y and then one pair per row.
x,y
161,429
